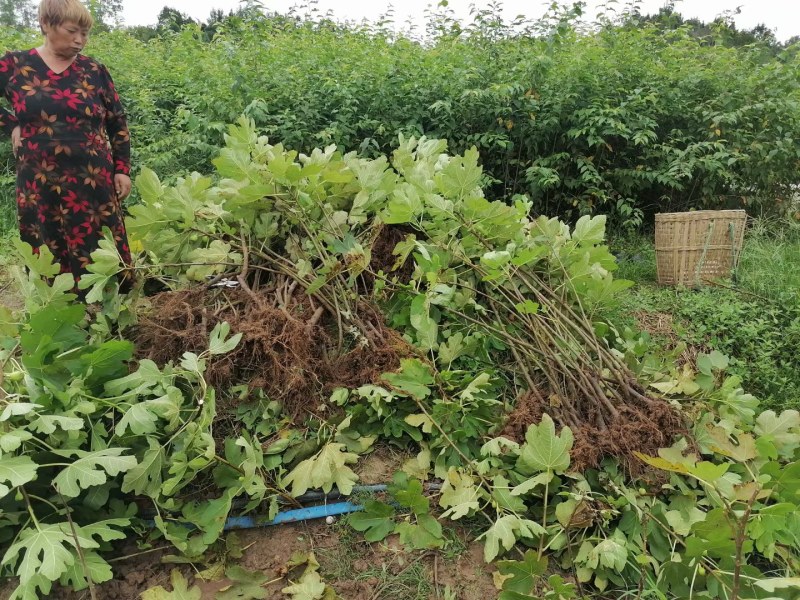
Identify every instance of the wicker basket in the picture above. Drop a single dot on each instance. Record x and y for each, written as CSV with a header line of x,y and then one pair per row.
x,y
693,248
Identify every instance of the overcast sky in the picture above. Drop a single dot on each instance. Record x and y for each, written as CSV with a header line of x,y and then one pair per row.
x,y
782,16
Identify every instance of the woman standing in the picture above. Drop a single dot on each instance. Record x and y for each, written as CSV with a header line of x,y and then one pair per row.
x,y
70,137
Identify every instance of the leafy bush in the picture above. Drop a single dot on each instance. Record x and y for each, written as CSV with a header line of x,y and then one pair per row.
x,y
619,120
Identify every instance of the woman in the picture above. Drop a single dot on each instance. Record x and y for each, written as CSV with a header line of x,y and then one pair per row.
x,y
70,137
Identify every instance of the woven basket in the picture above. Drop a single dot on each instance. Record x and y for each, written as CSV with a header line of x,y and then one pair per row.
x,y
693,248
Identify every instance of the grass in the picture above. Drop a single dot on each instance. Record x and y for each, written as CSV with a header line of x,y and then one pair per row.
x,y
8,212
770,262
755,319
6,253
394,575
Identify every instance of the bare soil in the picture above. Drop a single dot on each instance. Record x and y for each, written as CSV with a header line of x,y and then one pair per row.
x,y
10,297
355,569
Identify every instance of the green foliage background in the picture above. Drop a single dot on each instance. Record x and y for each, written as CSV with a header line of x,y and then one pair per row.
x,y
627,118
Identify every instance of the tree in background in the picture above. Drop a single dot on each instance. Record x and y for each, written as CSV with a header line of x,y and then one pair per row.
x,y
721,30
107,13
18,13
171,19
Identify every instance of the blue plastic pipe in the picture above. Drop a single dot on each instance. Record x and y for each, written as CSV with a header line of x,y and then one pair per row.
x,y
293,516
306,514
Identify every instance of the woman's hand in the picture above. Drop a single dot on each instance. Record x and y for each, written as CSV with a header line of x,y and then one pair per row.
x,y
122,185
16,139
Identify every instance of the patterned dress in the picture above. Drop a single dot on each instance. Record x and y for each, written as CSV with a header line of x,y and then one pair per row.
x,y
74,140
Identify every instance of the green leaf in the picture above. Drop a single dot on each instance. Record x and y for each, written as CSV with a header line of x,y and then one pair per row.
x,y
28,591
778,583
18,409
376,521
149,186
409,493
532,483
324,470
422,421
209,515
500,534
211,260
500,446
529,307
460,495
544,450
247,585
565,511
787,479
709,472
496,259
427,329
45,552
180,590
461,177
783,430
193,363
610,553
504,497
141,417
309,587
138,418
92,565
235,163
426,533
106,259
108,361
42,263
714,361
590,230
103,530
145,478
420,465
713,537
217,342
451,349
11,441
524,573
682,520
404,205
414,378
16,471
90,469
49,423
504,533
509,595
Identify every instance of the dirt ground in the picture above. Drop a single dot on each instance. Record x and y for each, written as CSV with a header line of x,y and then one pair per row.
x,y
9,295
355,569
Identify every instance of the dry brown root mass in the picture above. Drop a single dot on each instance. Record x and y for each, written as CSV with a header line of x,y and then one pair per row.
x,y
643,426
287,351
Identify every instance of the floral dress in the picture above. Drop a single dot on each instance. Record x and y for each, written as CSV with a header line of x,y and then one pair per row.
x,y
74,140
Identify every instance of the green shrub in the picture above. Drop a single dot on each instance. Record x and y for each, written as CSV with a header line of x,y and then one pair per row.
x,y
619,120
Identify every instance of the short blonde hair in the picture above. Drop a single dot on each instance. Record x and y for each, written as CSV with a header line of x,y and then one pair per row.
x,y
57,12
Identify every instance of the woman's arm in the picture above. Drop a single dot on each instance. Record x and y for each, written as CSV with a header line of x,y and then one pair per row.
x,y
117,127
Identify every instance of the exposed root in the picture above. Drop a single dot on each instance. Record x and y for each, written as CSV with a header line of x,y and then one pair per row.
x,y
287,348
384,260
644,426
